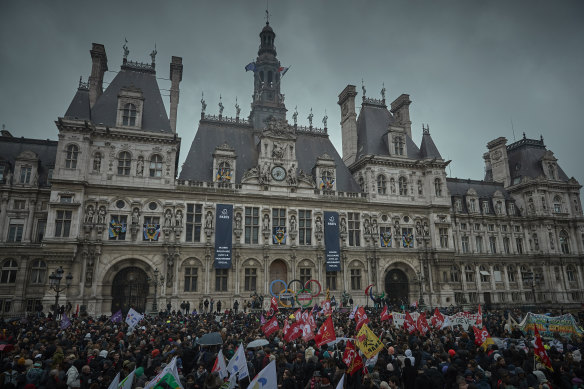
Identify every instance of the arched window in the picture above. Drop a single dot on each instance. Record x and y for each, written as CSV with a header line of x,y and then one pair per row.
x,y
525,274
472,205
97,162
71,159
438,187
564,242
129,115
403,186
454,274
38,272
469,273
557,204
497,273
8,272
398,145
124,163
224,172
511,273
571,273
381,184
362,184
156,166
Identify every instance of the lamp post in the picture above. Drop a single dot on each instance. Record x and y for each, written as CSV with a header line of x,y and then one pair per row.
x,y
55,284
533,278
420,278
156,280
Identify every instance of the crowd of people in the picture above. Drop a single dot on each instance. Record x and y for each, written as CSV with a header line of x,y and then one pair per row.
x,y
37,353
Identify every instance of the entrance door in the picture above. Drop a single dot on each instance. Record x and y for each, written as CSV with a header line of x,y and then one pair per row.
x,y
277,272
487,297
397,287
130,290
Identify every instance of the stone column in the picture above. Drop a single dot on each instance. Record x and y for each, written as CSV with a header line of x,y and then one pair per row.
x,y
207,273
29,221
3,217
236,271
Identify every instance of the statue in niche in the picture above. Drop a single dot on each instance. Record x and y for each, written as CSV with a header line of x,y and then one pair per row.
x,y
343,225
178,218
426,229
552,245
238,221
292,175
293,223
140,166
136,216
209,220
89,214
265,173
420,189
367,226
418,228
318,224
168,218
392,185
374,226
101,215
266,223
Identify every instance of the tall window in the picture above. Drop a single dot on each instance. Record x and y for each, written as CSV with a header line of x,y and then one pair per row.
x,y
252,225
8,272
38,272
493,244
63,224
407,238
465,245
40,231
511,273
278,220
519,243
571,273
506,246
19,204
305,227
250,279
438,187
564,242
469,274
443,237
398,145
305,275
129,115
381,184
354,229
356,279
117,227
526,275
124,163
25,172
472,205
71,158
193,223
331,280
97,162
224,172
156,166
486,207
191,278
15,232
454,274
403,186
221,280
479,244
557,204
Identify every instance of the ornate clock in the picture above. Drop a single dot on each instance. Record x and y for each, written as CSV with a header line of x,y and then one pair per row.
x,y
278,173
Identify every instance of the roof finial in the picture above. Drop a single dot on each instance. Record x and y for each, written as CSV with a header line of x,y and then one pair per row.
x,y
153,55
310,117
324,119
237,109
203,105
363,89
126,50
267,12
220,107
541,137
426,129
383,92
523,134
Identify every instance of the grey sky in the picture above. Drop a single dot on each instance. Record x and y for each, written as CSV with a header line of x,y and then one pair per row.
x,y
470,67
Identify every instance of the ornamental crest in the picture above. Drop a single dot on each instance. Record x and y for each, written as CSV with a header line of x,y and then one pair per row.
x,y
386,239
408,240
279,235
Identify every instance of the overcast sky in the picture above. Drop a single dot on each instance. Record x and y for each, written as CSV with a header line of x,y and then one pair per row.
x,y
473,69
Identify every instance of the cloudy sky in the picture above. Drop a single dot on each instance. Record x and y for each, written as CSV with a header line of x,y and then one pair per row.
x,y
475,70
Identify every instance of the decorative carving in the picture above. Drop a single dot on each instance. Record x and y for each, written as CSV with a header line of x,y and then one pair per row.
x,y
140,166
168,218
89,214
278,151
178,218
209,221
293,223
291,177
101,215
238,221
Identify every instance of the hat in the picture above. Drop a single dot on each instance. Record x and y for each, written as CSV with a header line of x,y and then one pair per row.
x,y
139,371
541,378
126,363
155,353
451,352
38,356
37,364
103,353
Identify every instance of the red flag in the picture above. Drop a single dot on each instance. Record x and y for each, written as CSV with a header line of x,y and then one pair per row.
x,y
307,332
361,317
385,314
273,306
422,324
305,315
352,359
409,324
326,333
294,332
326,308
271,326
540,350
437,319
479,317
310,320
286,327
481,335
298,314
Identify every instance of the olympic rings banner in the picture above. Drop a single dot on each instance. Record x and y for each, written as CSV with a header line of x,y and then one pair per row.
x,y
331,241
296,291
223,236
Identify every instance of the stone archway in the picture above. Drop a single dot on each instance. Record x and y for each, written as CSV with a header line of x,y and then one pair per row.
x,y
397,287
130,290
278,271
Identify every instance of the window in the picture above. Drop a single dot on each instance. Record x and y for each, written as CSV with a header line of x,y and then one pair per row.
x,y
499,208
526,275
129,115
5,305
463,226
191,277
252,223
221,280
117,227
486,207
2,173
19,204
385,235
511,274
193,223
511,209
32,304
407,238
491,227
278,220
504,228
571,273
8,272
517,228
484,274
381,184
124,163
356,279
305,227
465,245
66,199
564,242
458,205
443,237
552,171
15,232
38,272
472,297
497,273
250,279
155,221
224,172
71,158
493,244
403,186
40,231
557,204
477,227
479,244
354,229
398,145
454,274
156,166
519,244
472,207
97,162
62,224
438,187
469,274
331,280
25,173
305,275
506,247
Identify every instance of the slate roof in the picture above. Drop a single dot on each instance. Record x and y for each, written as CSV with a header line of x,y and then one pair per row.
x,y
79,107
458,188
427,148
525,160
46,150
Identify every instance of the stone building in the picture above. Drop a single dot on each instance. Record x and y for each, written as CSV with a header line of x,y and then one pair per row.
x,y
107,203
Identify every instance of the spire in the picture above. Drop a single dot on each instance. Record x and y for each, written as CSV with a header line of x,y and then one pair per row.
x,y
428,149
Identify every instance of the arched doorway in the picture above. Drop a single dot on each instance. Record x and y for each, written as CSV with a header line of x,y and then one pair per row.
x,y
397,287
130,290
278,272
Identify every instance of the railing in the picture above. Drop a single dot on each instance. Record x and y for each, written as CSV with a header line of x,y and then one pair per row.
x,y
310,129
225,119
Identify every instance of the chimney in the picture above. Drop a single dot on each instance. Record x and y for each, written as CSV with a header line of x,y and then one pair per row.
x,y
499,161
400,108
176,70
98,69
348,123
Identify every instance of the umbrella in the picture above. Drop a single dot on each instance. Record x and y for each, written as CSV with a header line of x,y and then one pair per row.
x,y
257,343
210,339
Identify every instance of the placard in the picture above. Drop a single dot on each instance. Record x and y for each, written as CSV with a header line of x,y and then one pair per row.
x,y
331,241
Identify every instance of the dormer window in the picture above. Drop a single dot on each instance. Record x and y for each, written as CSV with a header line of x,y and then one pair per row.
x,y
156,166
485,207
552,171
71,158
472,206
557,204
438,187
398,145
130,107
403,186
25,173
129,115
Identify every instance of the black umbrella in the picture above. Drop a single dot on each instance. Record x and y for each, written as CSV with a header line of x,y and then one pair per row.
x,y
210,339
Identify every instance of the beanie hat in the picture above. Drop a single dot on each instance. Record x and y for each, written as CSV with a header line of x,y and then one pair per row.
x,y
451,352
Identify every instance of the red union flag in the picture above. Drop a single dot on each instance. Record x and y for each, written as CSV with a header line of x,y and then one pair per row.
x,y
540,350
409,324
422,324
286,327
307,332
271,326
326,308
352,359
385,314
437,319
479,317
481,335
298,315
361,317
326,333
273,306
294,332
310,320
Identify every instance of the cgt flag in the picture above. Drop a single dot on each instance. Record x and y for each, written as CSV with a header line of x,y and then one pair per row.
x,y
422,324
437,319
271,326
361,317
273,307
409,324
368,343
385,315
326,333
352,359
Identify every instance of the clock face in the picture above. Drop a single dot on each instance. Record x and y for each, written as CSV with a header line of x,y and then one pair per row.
x,y
278,173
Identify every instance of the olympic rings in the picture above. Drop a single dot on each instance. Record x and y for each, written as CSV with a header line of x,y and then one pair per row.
x,y
304,298
317,283
296,281
286,295
289,294
272,285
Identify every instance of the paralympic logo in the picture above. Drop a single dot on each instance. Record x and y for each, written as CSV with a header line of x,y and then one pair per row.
x,y
303,294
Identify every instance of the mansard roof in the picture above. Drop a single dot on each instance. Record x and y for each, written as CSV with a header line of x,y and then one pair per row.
x,y
460,187
427,148
525,159
79,107
45,150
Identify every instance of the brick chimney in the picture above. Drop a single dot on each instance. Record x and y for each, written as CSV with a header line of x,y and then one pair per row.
x,y
98,69
348,123
400,108
176,71
498,161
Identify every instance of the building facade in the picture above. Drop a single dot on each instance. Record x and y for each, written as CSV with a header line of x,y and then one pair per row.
x,y
107,203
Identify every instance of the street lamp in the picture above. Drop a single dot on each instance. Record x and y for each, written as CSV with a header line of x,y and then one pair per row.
x,y
420,278
533,278
55,284
157,280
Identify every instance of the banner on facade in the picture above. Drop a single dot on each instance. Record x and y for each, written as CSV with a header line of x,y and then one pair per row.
x,y
223,236
547,326
331,241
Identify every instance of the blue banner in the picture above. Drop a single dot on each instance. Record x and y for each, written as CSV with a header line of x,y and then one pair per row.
x,y
223,236
332,246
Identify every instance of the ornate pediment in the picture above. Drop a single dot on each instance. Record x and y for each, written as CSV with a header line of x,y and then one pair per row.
x,y
279,128
27,155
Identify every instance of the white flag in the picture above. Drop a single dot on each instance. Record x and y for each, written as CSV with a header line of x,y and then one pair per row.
x,y
447,322
341,382
133,318
169,375
352,315
266,379
219,365
128,381
115,383
238,364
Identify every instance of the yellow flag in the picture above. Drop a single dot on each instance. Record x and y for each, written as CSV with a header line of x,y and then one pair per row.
x,y
368,343
489,341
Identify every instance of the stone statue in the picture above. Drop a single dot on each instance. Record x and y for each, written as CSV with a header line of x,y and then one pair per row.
x,y
363,88
209,220
292,175
126,50
140,166
203,104
237,109
343,225
426,229
295,115
221,107
383,92
310,117
418,228
238,221
420,189
266,223
178,218
367,226
153,54
318,224
324,119
89,214
374,227
168,218
101,215
292,223
278,151
136,216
